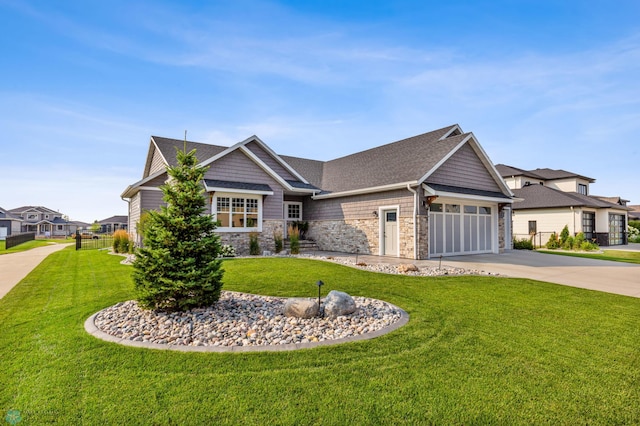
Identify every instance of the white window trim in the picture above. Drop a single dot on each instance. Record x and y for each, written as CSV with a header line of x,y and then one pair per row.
x,y
244,194
286,210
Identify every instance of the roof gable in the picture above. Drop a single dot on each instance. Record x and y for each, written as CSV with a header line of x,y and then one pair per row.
x,y
465,169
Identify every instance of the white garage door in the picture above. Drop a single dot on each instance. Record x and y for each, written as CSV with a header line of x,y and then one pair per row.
x,y
3,233
456,229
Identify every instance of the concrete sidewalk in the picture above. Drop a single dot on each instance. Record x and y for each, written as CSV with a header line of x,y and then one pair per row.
x,y
15,266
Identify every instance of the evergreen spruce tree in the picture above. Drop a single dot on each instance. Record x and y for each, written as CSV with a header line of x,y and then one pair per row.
x,y
178,268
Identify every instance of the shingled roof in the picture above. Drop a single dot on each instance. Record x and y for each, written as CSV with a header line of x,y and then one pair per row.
x,y
167,147
541,197
404,161
543,174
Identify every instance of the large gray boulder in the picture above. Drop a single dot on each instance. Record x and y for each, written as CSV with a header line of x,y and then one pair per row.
x,y
301,307
338,303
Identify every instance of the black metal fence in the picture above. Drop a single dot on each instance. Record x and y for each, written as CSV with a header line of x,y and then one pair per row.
x,y
17,239
94,242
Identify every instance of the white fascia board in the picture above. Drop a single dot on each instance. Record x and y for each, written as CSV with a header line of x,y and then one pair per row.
x,y
444,159
365,190
278,159
453,129
266,168
446,194
226,151
492,169
159,151
139,184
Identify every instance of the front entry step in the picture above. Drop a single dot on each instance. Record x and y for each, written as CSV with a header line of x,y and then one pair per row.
x,y
305,246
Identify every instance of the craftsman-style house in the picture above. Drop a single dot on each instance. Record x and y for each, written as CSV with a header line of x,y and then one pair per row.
x,y
429,195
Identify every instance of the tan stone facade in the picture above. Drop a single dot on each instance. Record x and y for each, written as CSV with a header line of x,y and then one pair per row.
x,y
240,240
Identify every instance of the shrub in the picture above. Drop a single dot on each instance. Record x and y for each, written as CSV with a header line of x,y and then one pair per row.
x,y
294,239
254,245
178,267
568,243
589,246
564,235
121,241
578,240
227,251
277,238
553,242
523,244
634,234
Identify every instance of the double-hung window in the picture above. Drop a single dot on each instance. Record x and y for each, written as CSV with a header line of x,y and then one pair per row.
x,y
237,212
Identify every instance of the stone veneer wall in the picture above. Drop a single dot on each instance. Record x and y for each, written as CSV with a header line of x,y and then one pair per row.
x,y
347,236
240,240
423,237
501,241
358,235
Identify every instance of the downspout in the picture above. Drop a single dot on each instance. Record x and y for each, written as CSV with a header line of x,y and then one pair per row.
x,y
573,214
415,220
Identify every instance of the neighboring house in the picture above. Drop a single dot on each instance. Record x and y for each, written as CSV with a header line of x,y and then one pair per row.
x,y
552,199
9,224
634,214
43,221
114,223
429,195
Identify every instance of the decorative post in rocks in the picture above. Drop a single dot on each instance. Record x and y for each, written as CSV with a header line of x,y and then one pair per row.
x,y
319,284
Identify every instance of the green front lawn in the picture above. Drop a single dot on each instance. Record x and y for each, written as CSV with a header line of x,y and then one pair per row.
x,y
477,350
613,255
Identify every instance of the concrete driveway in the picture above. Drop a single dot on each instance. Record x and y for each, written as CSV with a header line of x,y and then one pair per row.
x,y
611,277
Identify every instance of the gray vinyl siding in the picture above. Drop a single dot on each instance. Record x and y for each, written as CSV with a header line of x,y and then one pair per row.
x,y
134,212
157,182
269,161
157,163
358,206
465,170
237,167
151,200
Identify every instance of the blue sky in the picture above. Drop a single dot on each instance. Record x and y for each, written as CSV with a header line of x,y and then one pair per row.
x,y
85,84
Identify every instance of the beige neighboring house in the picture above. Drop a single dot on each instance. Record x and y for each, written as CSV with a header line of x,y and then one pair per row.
x,y
634,214
552,199
429,195
44,221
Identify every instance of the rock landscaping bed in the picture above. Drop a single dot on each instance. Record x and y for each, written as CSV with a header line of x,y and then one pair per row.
x,y
404,269
240,319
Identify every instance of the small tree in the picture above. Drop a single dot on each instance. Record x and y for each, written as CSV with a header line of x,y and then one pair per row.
x,y
178,266
564,235
95,227
254,244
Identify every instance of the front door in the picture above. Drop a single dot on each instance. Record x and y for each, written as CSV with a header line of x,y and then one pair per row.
x,y
390,227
